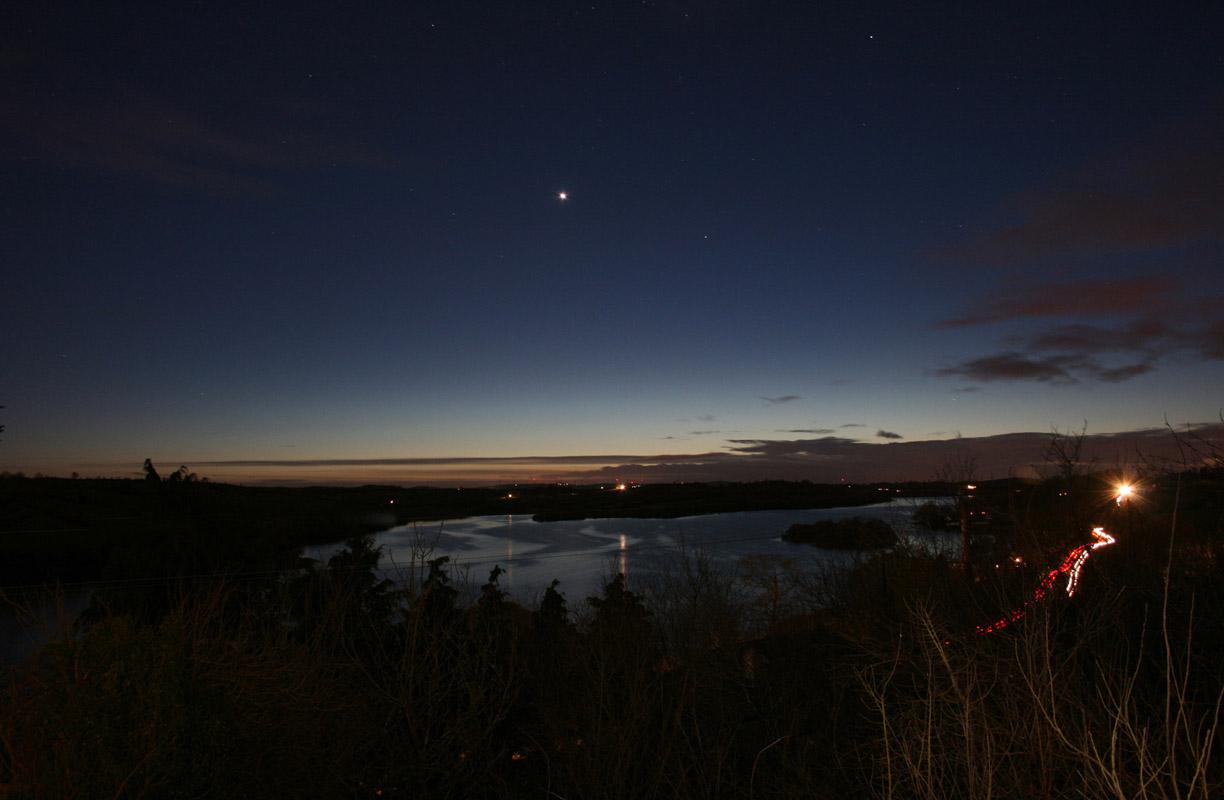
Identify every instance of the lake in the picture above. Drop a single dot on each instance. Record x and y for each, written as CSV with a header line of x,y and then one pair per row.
x,y
584,554
581,554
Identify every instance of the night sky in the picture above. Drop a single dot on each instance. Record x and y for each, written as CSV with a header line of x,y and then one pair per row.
x,y
318,235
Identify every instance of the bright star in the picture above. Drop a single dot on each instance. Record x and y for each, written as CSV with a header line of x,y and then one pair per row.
x,y
563,196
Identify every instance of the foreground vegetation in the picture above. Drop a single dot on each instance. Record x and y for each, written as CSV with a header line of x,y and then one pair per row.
x,y
327,681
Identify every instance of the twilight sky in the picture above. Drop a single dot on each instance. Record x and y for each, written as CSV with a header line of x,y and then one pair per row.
x,y
317,244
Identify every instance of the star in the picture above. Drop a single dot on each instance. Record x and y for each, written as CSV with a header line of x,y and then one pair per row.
x,y
562,196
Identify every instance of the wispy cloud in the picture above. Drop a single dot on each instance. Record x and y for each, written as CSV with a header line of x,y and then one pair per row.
x,y
831,458
1143,335
1077,351
123,130
1158,203
824,459
883,434
817,431
703,433
1211,340
1082,298
777,401
1164,192
433,461
1012,367
1058,369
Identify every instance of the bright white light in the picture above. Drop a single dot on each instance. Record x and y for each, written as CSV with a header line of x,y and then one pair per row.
x,y
1125,491
562,196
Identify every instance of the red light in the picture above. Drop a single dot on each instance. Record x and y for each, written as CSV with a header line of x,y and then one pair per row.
x,y
1071,566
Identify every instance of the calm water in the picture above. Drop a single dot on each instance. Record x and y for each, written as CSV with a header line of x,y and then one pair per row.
x,y
584,554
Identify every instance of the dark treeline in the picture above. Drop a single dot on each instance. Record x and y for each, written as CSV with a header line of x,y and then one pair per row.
x,y
866,680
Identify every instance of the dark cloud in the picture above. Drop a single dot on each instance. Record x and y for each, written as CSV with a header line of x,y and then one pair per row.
x,y
121,130
853,425
1209,341
1147,335
807,430
1160,201
824,447
1123,373
786,398
1164,192
1060,369
831,459
1013,367
1074,352
428,462
1091,298
883,434
1146,338
824,459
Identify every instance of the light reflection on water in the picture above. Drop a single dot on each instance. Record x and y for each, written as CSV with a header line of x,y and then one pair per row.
x,y
584,554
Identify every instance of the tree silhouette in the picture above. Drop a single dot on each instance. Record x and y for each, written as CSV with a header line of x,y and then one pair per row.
x,y
182,475
552,615
151,472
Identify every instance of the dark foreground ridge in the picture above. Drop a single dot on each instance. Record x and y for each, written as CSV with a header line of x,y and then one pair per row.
x,y
276,677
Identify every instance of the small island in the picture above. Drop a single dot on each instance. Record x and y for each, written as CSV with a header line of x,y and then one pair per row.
x,y
855,533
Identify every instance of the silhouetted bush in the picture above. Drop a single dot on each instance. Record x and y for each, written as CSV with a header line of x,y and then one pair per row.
x,y
935,517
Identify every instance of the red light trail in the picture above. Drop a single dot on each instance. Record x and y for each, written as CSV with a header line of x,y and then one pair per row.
x,y
1071,566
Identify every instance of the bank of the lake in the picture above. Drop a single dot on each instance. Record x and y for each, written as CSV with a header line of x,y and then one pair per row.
x,y
583,554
